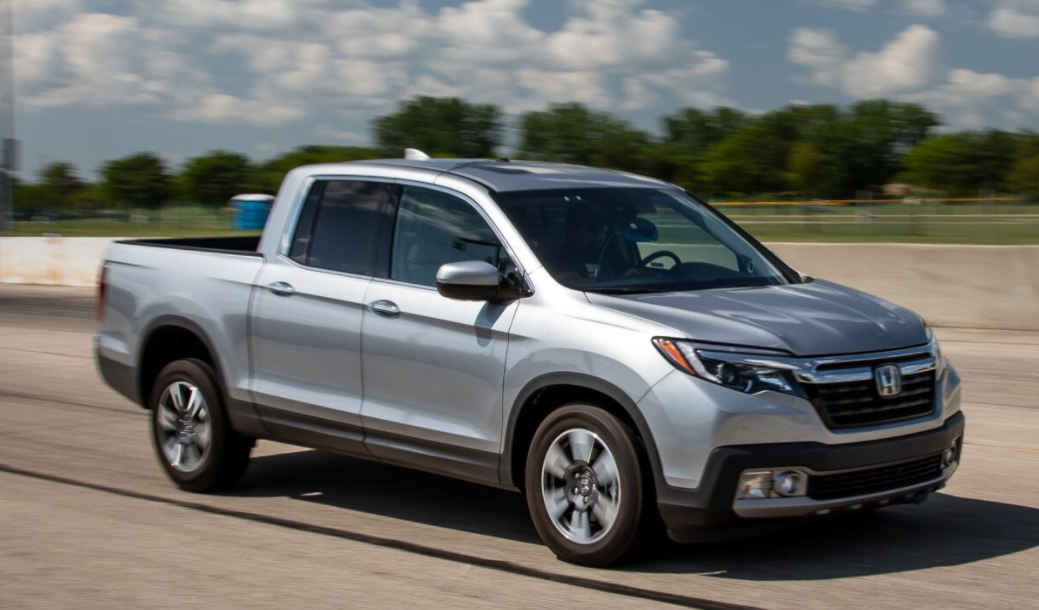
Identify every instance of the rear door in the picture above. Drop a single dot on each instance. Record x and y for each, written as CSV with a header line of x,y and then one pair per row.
x,y
306,320
434,367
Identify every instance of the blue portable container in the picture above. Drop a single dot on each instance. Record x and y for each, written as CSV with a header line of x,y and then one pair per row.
x,y
251,211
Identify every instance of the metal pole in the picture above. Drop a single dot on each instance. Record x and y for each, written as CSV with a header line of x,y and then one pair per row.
x,y
9,161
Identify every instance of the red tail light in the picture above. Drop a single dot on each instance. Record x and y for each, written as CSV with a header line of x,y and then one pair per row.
x,y
102,292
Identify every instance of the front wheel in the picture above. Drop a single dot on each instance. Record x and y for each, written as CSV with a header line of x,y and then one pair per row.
x,y
584,485
193,437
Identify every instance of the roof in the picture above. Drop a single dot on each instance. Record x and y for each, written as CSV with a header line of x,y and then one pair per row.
x,y
505,176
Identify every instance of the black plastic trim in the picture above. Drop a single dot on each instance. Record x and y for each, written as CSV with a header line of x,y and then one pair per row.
x,y
685,511
121,377
583,381
317,433
431,456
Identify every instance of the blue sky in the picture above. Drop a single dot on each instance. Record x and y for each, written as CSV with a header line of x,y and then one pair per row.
x,y
98,79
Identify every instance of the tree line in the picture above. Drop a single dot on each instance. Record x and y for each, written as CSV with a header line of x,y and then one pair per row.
x,y
817,150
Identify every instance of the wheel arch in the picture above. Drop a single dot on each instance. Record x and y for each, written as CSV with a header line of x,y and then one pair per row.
x,y
547,393
166,339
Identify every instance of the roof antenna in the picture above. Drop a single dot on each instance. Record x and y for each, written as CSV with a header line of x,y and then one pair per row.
x,y
414,154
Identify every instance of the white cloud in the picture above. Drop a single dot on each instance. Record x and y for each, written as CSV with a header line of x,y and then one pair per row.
x,y
300,57
485,32
1028,99
223,108
905,64
571,86
907,69
925,8
637,95
328,132
699,84
851,5
236,14
1015,19
387,33
969,99
820,52
98,59
611,35
36,15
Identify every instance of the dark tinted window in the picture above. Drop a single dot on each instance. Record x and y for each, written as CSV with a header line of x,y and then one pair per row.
x,y
305,224
635,240
434,228
340,225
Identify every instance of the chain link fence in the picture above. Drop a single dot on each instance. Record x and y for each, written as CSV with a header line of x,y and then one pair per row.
x,y
985,219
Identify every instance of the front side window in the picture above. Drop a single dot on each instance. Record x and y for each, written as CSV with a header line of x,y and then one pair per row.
x,y
632,240
341,224
434,228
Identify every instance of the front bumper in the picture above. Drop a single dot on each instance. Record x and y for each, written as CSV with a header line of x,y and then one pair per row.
x,y
713,504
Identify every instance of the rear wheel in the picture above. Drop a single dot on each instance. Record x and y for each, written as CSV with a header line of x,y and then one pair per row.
x,y
584,485
193,437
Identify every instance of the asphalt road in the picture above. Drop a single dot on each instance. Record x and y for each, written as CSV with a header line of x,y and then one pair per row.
x,y
87,518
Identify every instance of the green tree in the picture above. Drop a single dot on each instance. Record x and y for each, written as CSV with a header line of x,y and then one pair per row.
x,y
137,181
59,186
940,163
214,178
962,163
1023,176
874,139
447,127
804,165
753,159
571,133
694,131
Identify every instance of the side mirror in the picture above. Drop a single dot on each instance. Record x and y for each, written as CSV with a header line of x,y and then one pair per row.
x,y
469,281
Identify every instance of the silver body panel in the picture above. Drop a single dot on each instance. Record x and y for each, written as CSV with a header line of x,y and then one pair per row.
x,y
433,376
438,384
306,347
150,286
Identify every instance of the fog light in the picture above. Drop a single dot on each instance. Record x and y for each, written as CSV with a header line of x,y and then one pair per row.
x,y
755,485
949,456
788,483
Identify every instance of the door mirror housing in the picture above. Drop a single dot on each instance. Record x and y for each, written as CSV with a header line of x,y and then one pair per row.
x,y
470,281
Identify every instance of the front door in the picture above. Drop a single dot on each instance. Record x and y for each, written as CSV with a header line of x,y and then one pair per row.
x,y
434,367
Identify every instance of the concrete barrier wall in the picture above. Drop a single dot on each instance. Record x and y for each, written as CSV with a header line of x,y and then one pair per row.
x,y
958,286
52,261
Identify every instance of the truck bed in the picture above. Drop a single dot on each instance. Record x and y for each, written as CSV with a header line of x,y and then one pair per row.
x,y
230,244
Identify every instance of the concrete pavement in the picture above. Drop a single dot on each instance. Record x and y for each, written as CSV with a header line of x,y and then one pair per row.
x,y
91,520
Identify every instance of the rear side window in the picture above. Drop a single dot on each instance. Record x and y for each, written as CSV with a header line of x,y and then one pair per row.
x,y
341,225
434,228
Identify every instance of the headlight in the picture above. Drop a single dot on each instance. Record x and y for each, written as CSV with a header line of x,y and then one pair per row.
x,y
741,376
936,350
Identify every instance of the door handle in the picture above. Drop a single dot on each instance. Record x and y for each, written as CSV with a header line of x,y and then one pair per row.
x,y
386,309
283,289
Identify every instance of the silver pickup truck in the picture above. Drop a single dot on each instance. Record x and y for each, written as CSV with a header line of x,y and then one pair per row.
x,y
606,343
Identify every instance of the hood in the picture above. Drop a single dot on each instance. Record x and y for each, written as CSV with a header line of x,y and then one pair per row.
x,y
815,319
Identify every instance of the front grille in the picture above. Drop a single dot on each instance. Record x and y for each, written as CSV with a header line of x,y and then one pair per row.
x,y
874,480
857,403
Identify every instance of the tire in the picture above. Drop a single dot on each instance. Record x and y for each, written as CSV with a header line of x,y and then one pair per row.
x,y
191,432
593,513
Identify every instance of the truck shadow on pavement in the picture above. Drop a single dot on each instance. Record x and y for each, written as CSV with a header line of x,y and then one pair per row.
x,y
944,531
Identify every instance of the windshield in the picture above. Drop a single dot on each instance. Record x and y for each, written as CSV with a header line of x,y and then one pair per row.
x,y
632,240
